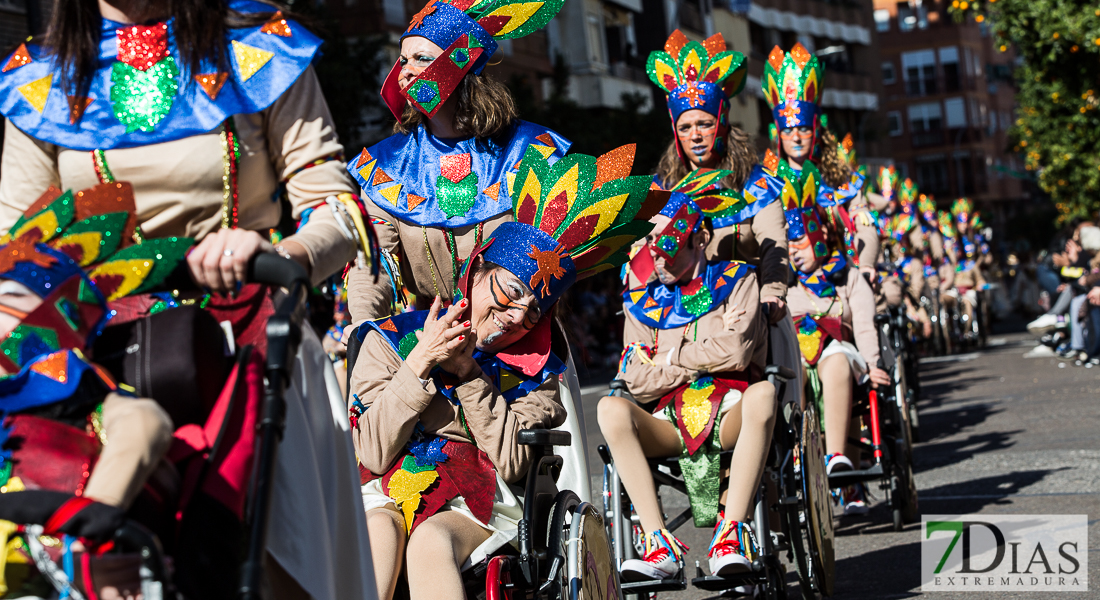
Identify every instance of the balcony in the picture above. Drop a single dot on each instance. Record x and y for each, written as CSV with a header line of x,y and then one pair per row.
x,y
925,139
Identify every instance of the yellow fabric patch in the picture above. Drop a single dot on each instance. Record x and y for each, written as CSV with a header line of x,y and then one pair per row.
x,y
250,59
391,193
405,489
37,91
695,410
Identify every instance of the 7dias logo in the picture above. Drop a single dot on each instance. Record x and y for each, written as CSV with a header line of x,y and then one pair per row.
x,y
1021,553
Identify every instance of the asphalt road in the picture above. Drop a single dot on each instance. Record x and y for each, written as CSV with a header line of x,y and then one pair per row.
x,y
1002,434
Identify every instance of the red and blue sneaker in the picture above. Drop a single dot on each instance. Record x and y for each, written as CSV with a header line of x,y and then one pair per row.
x,y
664,558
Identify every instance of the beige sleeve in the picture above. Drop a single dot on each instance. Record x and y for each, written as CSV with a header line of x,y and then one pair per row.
x,y
728,350
495,423
394,398
877,201
299,132
861,300
139,433
770,228
27,168
645,381
916,280
369,299
935,244
867,242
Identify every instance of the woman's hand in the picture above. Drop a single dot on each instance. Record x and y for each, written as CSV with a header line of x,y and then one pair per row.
x,y
461,363
219,263
732,316
441,338
778,308
879,377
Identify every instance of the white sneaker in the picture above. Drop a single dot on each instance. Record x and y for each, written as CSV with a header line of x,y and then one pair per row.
x,y
854,500
837,462
728,555
660,562
1043,324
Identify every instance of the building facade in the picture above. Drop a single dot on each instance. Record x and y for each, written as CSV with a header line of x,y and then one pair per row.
x,y
948,102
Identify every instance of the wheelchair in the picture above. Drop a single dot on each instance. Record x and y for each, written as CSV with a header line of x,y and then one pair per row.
x,y
885,435
899,358
187,543
941,341
562,550
793,491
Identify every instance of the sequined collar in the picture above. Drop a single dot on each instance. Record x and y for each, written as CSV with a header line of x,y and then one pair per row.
x,y
143,92
662,306
822,283
433,182
400,333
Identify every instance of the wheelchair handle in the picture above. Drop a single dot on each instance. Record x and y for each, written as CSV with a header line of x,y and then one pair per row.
x,y
543,437
272,269
780,372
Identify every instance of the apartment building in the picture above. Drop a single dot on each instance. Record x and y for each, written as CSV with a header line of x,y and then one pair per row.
x,y
948,100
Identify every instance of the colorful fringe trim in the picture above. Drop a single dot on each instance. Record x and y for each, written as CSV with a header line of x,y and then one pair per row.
x,y
738,533
663,538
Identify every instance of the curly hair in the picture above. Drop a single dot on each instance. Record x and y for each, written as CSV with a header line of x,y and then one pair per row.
x,y
833,169
740,157
484,108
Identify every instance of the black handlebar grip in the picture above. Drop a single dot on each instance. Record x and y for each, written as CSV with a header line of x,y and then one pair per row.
x,y
272,269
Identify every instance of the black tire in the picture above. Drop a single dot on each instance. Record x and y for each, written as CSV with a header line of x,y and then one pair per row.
x,y
565,503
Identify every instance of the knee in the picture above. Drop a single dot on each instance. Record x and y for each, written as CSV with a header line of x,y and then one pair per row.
x,y
383,523
758,403
614,418
138,419
432,543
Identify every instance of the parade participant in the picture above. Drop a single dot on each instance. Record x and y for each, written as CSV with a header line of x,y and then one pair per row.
x,y
439,186
696,345
910,251
700,79
439,396
207,112
867,236
967,247
832,306
890,291
63,261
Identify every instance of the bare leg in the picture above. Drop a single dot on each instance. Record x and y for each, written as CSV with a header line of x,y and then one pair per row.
x,y
747,428
439,546
632,434
836,387
386,527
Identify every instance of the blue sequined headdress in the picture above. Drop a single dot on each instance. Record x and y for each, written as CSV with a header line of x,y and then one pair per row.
x,y
703,76
467,31
792,88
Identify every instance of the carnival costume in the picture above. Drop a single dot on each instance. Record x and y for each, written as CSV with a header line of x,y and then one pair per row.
x,y
792,86
203,150
434,200
444,445
206,150
706,76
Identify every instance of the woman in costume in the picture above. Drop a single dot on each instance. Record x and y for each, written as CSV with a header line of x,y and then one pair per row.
x,y
700,79
792,85
439,396
694,332
832,306
439,186
970,249
209,108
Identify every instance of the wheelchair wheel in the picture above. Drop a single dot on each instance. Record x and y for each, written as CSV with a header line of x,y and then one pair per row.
x,y
903,487
810,526
591,570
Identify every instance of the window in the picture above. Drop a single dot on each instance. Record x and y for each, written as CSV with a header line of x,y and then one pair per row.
x,y
949,60
888,74
925,117
955,112
882,20
919,70
893,123
393,11
932,175
907,19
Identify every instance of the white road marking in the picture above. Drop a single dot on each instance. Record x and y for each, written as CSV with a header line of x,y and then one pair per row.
x,y
952,358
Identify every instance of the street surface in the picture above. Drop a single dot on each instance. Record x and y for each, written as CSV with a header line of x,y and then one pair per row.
x,y
1002,434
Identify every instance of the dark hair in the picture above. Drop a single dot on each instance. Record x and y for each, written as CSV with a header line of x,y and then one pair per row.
x,y
834,171
200,25
484,108
740,157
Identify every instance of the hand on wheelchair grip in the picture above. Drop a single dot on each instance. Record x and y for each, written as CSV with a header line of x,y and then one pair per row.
x,y
219,263
879,377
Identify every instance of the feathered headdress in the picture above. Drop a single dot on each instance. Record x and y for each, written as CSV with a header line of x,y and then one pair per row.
x,y
946,224
77,252
907,195
467,31
792,87
800,208
696,75
927,206
888,182
962,209
574,219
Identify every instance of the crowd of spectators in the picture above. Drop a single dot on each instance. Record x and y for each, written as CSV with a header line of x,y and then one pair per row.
x,y
1068,276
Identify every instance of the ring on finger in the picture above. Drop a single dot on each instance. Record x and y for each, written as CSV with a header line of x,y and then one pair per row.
x,y
228,252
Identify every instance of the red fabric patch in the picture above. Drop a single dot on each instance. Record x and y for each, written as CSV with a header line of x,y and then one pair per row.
x,y
142,46
455,166
19,58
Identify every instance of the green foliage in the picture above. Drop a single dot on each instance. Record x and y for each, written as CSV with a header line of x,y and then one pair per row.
x,y
1057,130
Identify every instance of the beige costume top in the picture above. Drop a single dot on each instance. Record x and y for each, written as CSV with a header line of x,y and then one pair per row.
x,y
761,242
427,268
703,345
178,185
396,401
854,303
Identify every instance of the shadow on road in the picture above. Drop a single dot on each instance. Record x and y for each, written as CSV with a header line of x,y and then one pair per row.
x,y
882,573
975,494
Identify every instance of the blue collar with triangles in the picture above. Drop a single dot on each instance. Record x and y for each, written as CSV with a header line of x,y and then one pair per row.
x,y
436,182
661,306
143,91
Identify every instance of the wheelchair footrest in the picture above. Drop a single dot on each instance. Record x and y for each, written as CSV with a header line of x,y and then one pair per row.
x,y
672,584
713,583
845,478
